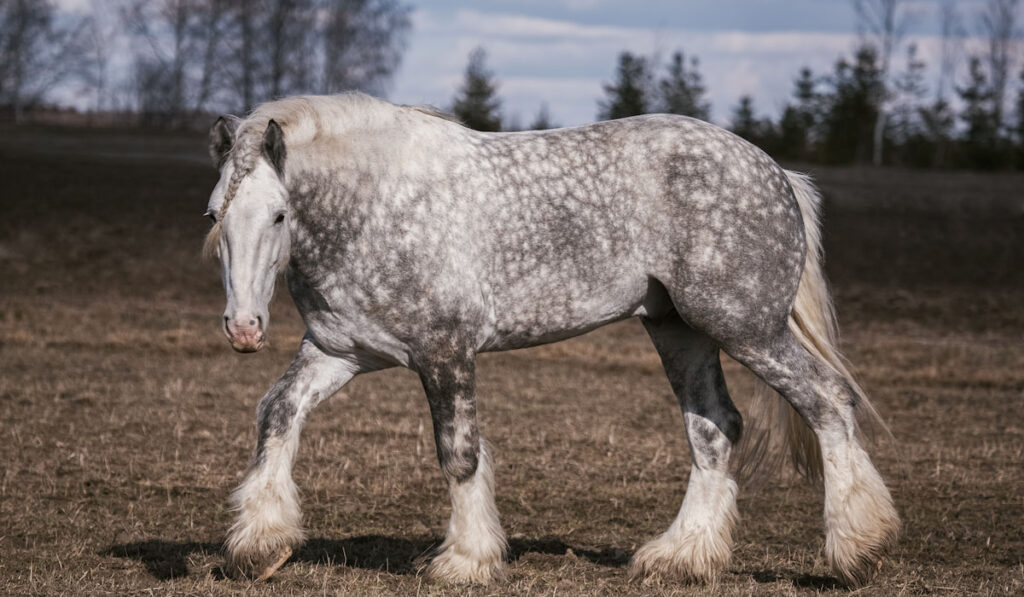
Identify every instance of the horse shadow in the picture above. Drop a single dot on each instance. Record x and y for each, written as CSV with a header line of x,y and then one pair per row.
x,y
166,560
799,580
163,559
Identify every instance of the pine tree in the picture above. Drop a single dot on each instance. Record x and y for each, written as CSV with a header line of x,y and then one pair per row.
x,y
1019,108
758,131
937,121
793,140
744,122
628,95
477,105
979,116
852,108
542,121
682,91
910,91
799,119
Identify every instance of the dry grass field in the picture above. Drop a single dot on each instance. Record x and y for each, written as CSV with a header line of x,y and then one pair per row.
x,y
125,418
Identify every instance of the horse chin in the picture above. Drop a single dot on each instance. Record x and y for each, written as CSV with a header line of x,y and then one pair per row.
x,y
247,347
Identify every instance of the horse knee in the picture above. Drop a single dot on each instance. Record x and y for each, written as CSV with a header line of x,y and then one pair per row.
x,y
275,415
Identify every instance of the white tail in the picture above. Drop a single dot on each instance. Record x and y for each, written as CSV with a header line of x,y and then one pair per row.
x,y
813,322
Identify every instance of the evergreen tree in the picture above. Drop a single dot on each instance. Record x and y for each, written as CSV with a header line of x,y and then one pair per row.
x,y
682,91
852,108
908,135
979,116
793,134
746,124
476,104
910,91
1019,109
628,95
937,122
799,119
542,121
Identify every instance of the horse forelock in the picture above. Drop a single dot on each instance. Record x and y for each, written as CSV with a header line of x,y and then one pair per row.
x,y
212,242
242,159
243,162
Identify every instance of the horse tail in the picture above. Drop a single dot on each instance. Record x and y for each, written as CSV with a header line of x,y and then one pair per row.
x,y
813,322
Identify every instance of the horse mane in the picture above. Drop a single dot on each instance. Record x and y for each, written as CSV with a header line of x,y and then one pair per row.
x,y
306,118
435,112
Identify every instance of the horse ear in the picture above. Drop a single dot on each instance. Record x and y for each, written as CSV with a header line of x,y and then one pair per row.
x,y
273,146
222,137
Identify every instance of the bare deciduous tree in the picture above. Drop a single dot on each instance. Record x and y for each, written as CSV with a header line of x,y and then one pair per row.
x,y
998,24
190,55
100,34
281,47
882,24
290,27
245,51
211,17
363,41
36,53
952,31
164,28
177,66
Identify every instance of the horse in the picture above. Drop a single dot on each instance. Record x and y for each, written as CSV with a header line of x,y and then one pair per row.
x,y
407,239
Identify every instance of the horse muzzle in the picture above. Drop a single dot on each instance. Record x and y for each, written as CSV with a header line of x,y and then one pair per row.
x,y
245,335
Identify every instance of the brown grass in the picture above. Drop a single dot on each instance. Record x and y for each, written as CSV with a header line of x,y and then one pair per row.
x,y
126,419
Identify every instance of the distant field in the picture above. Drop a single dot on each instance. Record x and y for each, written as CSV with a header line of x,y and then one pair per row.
x,y
125,419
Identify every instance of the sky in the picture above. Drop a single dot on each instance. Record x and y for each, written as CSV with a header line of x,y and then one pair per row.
x,y
560,52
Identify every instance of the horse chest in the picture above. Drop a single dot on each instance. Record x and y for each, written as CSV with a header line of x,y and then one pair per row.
x,y
342,324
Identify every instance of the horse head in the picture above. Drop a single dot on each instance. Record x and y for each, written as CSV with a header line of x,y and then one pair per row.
x,y
250,216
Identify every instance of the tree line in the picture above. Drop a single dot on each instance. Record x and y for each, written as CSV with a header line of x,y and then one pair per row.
x,y
186,58
189,57
873,107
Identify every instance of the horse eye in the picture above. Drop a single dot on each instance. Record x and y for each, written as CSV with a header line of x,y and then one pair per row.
x,y
212,216
279,219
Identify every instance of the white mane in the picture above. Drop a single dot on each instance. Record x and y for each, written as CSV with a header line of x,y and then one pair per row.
x,y
306,118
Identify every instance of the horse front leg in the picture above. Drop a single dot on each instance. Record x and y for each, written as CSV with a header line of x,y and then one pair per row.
x,y
474,547
268,525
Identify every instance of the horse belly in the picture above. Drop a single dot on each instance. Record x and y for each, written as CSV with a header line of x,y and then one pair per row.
x,y
522,319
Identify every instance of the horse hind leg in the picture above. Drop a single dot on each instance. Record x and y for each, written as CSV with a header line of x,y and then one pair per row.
x,y
698,544
860,519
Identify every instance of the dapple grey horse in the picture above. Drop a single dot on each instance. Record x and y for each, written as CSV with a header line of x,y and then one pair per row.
x,y
410,240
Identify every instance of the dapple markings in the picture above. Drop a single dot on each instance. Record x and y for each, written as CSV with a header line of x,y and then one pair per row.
x,y
409,240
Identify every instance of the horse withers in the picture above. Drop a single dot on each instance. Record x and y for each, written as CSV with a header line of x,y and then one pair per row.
x,y
409,240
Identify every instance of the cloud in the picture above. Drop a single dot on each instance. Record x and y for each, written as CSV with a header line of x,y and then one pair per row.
x,y
73,5
564,63
528,27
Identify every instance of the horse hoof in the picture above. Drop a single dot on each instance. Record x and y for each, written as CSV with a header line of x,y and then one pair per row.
x,y
449,567
258,568
268,571
690,561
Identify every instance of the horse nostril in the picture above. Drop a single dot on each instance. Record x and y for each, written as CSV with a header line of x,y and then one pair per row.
x,y
259,318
